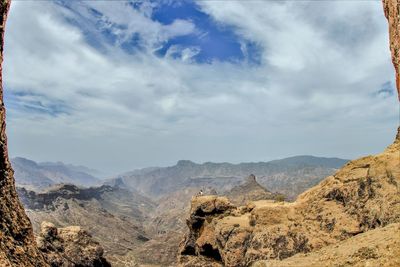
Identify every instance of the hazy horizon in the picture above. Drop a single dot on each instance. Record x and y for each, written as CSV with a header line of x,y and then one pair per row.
x,y
118,86
104,174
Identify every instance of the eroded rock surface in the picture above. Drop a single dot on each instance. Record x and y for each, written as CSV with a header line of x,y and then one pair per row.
x,y
70,247
378,247
363,195
392,13
113,216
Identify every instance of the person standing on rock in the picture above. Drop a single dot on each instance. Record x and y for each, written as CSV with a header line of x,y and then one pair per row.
x,y
200,193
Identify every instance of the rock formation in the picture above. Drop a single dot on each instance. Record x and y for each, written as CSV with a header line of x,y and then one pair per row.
x,y
363,195
17,244
69,247
251,190
392,13
113,216
378,247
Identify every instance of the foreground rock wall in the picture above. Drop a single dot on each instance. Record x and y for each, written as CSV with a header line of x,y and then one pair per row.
x,y
392,13
17,244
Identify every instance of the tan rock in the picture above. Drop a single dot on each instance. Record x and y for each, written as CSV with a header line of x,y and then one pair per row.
x,y
378,247
70,246
363,195
392,10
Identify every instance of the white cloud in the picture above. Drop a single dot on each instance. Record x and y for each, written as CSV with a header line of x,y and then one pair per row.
x,y
315,91
125,22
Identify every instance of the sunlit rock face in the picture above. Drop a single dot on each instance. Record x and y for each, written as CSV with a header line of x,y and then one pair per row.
x,y
70,247
362,196
392,13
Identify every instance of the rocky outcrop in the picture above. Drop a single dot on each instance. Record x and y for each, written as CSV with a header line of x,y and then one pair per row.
x,y
392,13
378,247
363,195
17,244
113,216
201,239
70,247
250,190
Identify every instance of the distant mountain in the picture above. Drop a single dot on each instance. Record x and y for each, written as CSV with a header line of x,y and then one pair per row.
x,y
307,160
290,176
37,176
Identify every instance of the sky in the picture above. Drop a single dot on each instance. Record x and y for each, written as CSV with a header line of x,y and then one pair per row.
x,y
118,85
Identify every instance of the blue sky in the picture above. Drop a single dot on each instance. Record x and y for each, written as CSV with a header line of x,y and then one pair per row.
x,y
209,41
120,85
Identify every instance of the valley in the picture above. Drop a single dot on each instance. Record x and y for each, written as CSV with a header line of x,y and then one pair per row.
x,y
140,217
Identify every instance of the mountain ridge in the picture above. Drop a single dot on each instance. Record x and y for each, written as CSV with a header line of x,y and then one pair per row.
x,y
160,181
38,176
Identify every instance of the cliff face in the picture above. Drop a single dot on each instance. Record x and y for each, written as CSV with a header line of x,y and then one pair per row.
x,y
392,13
17,244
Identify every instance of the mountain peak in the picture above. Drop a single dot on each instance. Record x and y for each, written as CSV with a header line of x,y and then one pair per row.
x,y
251,178
184,163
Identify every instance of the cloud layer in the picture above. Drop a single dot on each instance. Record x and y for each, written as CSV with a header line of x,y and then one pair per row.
x,y
85,82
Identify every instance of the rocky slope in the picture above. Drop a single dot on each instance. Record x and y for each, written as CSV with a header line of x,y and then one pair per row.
x,y
291,175
363,195
17,244
112,215
378,247
69,247
38,176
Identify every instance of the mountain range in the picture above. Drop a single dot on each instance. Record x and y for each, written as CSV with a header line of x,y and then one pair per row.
x,y
289,176
139,217
38,176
